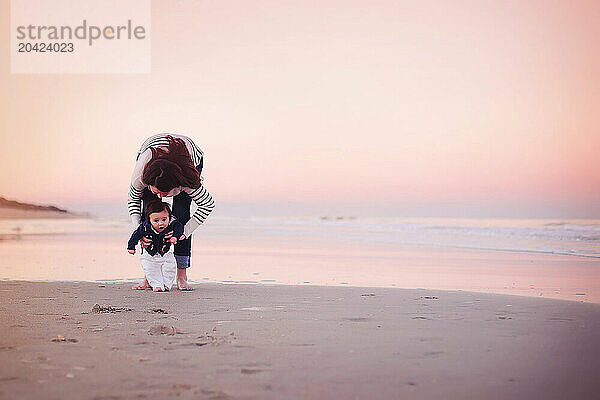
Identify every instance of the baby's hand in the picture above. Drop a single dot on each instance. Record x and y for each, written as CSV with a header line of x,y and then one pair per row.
x,y
131,251
173,239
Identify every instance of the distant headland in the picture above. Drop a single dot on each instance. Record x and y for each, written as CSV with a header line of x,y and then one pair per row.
x,y
17,209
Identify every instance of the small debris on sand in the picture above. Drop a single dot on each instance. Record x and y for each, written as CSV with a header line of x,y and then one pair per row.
x,y
182,386
98,309
62,339
250,371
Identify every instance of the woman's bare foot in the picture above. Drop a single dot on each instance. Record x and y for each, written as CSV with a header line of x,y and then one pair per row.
x,y
182,283
157,289
142,286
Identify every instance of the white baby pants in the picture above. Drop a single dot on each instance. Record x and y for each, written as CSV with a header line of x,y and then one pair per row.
x,y
160,270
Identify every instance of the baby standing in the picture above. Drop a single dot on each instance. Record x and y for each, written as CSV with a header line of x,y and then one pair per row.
x,y
162,228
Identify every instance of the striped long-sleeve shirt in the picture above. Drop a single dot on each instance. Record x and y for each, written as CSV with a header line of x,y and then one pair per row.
x,y
200,195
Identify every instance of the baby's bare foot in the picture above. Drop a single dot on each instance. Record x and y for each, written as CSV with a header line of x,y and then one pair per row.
x,y
142,286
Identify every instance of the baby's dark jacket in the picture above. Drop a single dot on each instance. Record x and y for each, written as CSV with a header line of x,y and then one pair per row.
x,y
158,244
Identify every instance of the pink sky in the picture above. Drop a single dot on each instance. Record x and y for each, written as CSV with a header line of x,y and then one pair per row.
x,y
380,101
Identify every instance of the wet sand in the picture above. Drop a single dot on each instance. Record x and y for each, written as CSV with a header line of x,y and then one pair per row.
x,y
104,341
307,261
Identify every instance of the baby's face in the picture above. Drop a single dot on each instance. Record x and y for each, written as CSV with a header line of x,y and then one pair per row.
x,y
159,220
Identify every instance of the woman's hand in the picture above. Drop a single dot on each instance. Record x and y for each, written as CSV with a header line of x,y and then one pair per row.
x,y
168,236
145,242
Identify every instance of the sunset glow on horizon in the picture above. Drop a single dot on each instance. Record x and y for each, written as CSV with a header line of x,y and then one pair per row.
x,y
365,102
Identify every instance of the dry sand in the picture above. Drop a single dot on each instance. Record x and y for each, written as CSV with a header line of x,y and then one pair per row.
x,y
290,342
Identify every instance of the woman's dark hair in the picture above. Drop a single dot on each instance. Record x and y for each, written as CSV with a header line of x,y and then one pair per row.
x,y
156,207
171,167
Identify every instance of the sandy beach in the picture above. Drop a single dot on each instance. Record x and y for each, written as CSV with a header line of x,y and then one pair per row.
x,y
81,340
378,200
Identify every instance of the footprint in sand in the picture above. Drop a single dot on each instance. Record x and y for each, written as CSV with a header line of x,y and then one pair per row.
x,y
433,354
359,319
162,330
214,394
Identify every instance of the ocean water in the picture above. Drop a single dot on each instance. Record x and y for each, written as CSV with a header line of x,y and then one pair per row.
x,y
565,237
534,257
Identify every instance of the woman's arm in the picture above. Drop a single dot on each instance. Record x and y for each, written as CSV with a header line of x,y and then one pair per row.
x,y
136,188
134,205
205,204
